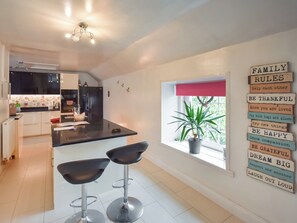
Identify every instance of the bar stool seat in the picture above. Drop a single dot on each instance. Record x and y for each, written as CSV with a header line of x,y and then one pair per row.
x,y
126,209
82,172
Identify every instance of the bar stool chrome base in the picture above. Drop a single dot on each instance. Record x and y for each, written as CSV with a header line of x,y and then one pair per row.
x,y
93,216
118,211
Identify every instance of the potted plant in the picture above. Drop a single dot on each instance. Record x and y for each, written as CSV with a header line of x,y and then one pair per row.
x,y
196,122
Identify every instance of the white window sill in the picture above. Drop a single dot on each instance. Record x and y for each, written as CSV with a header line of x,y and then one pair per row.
x,y
211,158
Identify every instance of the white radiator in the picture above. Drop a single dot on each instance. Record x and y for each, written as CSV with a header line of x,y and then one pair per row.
x,y
8,138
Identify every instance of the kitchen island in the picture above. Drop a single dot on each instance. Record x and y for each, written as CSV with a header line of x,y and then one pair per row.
x,y
86,141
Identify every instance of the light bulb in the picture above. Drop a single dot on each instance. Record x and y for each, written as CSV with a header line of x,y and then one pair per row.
x,y
92,41
68,35
75,38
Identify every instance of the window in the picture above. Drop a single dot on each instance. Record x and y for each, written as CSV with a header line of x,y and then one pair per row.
x,y
217,106
211,93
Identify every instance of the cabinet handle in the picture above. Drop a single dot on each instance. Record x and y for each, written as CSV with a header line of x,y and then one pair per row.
x,y
9,90
2,86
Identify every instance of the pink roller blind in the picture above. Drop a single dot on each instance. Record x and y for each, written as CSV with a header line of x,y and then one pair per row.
x,y
216,88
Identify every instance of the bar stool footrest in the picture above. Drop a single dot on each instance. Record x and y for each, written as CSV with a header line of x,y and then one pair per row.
x,y
79,199
114,185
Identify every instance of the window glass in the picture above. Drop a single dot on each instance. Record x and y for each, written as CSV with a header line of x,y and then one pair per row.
x,y
217,106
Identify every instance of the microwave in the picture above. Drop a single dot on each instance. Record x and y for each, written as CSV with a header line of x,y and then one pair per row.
x,y
69,100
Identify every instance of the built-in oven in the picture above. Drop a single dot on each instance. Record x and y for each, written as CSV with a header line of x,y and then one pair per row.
x,y
69,100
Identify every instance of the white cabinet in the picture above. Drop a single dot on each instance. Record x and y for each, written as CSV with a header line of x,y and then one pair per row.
x,y
3,63
38,123
19,137
32,123
46,121
4,73
69,81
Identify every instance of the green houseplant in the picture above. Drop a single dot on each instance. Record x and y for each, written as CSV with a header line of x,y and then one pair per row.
x,y
196,122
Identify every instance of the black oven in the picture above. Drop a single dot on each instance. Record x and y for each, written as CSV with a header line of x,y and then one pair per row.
x,y
69,100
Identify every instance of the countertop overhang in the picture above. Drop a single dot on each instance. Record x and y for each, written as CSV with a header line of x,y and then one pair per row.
x,y
96,130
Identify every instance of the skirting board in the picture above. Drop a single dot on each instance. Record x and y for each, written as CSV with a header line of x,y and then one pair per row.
x,y
229,205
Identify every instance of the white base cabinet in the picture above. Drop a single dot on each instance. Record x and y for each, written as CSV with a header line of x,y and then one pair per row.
x,y
38,123
32,123
19,137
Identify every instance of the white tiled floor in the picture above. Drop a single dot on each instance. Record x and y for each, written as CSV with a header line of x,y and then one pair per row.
x,y
26,193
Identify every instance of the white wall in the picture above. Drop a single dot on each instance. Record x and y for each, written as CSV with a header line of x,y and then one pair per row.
x,y
86,77
140,108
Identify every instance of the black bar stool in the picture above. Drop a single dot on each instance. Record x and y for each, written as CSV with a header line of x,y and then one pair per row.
x,y
82,172
126,209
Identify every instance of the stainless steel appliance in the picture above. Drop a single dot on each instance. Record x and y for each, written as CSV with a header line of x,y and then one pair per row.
x,y
69,100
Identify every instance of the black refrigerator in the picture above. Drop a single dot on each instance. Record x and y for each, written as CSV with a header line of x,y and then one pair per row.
x,y
91,102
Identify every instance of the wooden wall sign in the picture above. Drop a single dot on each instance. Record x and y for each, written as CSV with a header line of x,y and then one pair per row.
x,y
271,78
271,170
272,98
272,160
271,105
271,150
270,68
271,180
271,88
272,108
271,133
270,125
273,142
271,117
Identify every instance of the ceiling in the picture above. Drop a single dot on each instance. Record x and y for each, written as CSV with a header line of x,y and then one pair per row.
x,y
134,34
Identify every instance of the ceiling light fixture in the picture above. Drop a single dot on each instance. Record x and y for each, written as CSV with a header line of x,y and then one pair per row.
x,y
35,65
80,30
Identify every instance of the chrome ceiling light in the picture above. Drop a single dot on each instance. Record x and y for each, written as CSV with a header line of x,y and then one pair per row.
x,y
26,65
79,31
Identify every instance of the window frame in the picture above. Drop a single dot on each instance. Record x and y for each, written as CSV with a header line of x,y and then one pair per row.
x,y
165,120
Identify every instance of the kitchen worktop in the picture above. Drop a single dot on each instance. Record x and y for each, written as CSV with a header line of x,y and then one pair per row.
x,y
17,116
37,109
95,130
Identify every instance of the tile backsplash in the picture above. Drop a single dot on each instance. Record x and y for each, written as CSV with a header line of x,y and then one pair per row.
x,y
36,100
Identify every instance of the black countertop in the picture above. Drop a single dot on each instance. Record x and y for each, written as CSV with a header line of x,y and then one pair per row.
x,y
96,130
37,109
